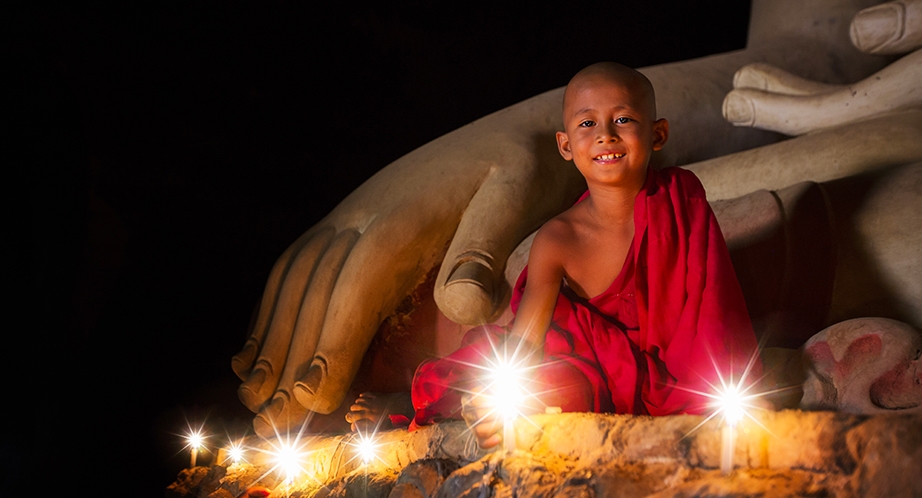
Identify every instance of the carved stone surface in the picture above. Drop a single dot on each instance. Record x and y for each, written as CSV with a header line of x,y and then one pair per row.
x,y
787,453
865,365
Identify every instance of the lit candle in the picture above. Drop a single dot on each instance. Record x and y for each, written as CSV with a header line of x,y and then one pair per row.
x,y
288,461
235,452
726,451
732,407
367,448
195,442
507,397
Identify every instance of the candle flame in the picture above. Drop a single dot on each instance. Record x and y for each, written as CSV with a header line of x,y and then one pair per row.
x,y
235,452
288,460
367,448
195,440
505,389
732,403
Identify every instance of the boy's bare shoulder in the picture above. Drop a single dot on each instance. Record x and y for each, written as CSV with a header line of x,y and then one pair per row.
x,y
558,234
548,250
558,230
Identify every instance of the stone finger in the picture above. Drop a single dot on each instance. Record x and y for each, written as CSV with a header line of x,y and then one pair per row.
x,y
242,362
888,28
263,378
313,308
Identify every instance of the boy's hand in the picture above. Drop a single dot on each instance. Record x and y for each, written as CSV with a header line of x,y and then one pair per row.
x,y
482,419
479,406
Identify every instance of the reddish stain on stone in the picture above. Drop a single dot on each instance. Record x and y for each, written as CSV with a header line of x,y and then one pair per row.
x,y
900,388
862,350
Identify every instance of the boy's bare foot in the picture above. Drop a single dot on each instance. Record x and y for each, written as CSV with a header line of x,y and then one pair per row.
x,y
372,411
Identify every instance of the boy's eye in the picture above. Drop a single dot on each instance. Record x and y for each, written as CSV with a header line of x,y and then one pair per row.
x,y
587,123
623,120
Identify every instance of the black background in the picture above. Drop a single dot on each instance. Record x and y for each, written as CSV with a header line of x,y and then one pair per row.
x,y
172,151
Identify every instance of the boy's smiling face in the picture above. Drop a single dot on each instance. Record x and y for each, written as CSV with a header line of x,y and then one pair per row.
x,y
611,129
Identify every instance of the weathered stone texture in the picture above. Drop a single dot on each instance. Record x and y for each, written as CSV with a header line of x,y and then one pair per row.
x,y
787,453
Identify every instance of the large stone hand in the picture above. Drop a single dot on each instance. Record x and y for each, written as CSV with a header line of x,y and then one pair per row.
x,y
481,188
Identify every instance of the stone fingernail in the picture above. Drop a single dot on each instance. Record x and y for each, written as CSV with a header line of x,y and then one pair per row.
x,y
874,27
311,380
749,77
248,392
738,110
473,272
267,420
242,361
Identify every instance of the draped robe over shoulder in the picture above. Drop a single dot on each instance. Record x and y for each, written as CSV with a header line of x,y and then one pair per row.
x,y
668,329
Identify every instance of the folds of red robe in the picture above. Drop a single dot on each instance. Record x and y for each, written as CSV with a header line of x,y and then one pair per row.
x,y
694,329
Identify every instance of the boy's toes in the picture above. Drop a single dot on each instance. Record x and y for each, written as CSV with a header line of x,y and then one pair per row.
x,y
356,412
372,411
360,422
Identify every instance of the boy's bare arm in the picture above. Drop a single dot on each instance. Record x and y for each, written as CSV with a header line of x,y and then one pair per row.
x,y
536,309
545,274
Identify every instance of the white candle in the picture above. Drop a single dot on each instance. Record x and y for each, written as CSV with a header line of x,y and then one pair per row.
x,y
507,397
732,406
508,435
195,442
728,445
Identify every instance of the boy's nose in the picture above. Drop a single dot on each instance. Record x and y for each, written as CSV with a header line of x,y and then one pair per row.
x,y
608,133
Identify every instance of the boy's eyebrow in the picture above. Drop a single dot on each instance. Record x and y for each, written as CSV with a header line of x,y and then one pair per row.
x,y
584,109
590,109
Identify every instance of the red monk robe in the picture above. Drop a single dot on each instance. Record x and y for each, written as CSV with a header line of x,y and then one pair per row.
x,y
670,326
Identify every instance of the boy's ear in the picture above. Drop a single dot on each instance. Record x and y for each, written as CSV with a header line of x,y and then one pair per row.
x,y
660,133
563,145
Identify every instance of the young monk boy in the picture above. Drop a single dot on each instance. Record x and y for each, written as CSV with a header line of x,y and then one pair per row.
x,y
629,294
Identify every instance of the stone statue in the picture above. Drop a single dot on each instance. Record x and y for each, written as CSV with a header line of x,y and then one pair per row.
x,y
464,204
864,365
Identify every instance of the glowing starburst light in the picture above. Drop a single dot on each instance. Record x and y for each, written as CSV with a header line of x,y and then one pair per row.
x,y
235,452
732,400
505,390
732,404
288,460
506,394
195,440
367,448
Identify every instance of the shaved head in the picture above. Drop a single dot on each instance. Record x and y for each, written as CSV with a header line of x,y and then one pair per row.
x,y
609,118
613,73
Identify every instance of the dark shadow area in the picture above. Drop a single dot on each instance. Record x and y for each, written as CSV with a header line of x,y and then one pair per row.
x,y
814,266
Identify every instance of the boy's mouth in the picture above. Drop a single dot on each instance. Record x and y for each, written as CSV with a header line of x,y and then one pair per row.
x,y
608,157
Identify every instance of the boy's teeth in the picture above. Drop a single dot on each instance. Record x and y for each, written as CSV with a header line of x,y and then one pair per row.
x,y
609,157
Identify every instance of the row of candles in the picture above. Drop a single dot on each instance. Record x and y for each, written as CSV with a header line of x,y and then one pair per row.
x,y
288,456
506,395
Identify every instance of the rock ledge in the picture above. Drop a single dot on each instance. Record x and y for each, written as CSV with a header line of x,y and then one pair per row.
x,y
787,453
